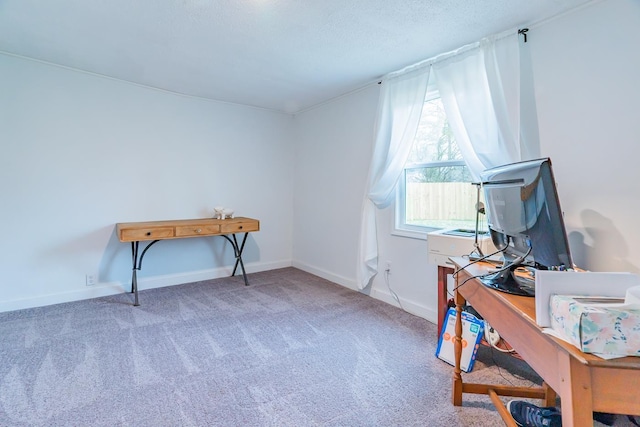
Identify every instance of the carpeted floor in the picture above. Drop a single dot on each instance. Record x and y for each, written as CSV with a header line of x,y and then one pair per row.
x,y
291,349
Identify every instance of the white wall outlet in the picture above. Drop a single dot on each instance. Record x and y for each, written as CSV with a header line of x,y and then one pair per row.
x,y
90,279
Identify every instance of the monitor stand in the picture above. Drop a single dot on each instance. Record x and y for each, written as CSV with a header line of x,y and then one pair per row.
x,y
508,281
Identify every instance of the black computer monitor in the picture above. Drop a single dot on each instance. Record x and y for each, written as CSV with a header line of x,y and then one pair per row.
x,y
525,222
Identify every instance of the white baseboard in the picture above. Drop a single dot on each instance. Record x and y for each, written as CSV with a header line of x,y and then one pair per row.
x,y
111,288
407,305
382,295
341,280
96,291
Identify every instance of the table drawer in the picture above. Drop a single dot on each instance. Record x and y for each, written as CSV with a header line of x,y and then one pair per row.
x,y
240,227
151,233
197,230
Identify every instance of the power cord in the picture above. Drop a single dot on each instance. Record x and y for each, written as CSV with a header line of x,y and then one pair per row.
x,y
482,258
387,273
500,270
501,373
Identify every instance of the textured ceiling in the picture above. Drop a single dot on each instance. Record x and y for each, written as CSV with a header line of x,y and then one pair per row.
x,y
285,55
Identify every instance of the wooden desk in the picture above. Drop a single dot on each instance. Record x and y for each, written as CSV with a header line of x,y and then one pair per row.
x,y
154,231
584,382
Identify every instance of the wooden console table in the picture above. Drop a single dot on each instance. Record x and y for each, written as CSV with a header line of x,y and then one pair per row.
x,y
584,382
154,231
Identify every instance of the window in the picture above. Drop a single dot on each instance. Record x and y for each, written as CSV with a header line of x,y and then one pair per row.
x,y
435,190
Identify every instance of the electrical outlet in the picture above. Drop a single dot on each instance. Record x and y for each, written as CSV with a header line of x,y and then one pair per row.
x,y
90,279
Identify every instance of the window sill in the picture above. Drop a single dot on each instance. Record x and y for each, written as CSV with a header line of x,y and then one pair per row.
x,y
411,234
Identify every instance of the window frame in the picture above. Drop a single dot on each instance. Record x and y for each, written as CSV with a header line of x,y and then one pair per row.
x,y
401,228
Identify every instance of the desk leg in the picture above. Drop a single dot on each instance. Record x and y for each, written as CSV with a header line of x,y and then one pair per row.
x,y
237,249
576,393
457,348
134,287
443,272
134,276
550,395
137,265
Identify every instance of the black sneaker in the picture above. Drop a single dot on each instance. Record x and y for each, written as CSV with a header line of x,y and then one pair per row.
x,y
527,415
604,418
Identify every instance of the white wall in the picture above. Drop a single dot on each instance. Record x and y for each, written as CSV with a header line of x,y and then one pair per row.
x,y
333,150
81,153
587,88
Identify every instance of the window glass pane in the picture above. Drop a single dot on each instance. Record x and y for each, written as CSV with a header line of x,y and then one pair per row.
x,y
434,139
439,174
441,197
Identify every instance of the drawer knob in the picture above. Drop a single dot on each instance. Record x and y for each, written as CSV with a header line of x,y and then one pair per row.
x,y
198,230
240,228
148,233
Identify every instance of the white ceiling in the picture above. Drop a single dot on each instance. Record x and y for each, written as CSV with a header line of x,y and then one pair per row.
x,y
285,55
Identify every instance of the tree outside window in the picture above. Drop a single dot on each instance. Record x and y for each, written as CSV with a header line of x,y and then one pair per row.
x,y
436,191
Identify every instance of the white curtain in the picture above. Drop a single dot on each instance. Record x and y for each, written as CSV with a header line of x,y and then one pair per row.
x,y
480,90
480,87
399,109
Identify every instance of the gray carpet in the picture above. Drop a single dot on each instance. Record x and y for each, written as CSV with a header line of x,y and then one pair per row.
x,y
291,349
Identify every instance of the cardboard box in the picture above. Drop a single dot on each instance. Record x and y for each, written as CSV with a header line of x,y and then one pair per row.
x,y
595,327
472,333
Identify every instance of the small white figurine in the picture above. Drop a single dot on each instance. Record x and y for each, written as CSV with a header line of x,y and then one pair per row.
x,y
223,213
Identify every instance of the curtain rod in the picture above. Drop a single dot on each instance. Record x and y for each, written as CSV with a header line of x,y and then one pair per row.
x,y
451,54
498,36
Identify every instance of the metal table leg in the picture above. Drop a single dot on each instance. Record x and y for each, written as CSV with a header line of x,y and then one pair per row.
x,y
238,254
137,265
137,257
